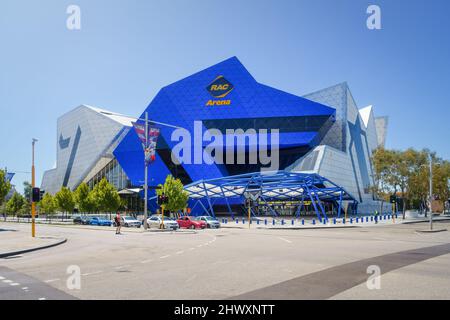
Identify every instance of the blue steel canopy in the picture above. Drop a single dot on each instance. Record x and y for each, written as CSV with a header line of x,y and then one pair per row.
x,y
278,185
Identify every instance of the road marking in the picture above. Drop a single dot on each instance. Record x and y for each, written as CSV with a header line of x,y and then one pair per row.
x,y
14,284
7,281
180,252
166,256
124,266
1,278
42,299
286,240
91,273
52,280
146,261
25,288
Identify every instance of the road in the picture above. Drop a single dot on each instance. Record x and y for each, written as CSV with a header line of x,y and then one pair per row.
x,y
233,264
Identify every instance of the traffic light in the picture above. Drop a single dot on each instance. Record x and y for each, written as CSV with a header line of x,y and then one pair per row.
x,y
35,195
162,199
393,198
41,194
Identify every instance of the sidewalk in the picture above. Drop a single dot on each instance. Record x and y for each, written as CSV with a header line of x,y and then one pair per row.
x,y
310,223
14,241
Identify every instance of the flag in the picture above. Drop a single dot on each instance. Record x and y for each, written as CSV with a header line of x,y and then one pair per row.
x,y
150,145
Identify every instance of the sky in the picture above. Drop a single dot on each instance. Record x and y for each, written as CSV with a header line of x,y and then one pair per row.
x,y
126,51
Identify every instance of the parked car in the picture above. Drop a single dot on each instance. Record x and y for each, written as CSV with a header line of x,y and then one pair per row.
x,y
169,223
129,221
98,221
191,223
81,220
211,222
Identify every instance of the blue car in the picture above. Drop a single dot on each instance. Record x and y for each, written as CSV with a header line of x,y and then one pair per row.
x,y
96,221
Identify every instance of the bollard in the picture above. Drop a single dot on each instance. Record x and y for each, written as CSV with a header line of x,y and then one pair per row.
x,y
343,221
265,222
324,221
334,220
371,218
282,222
357,220
292,222
226,220
243,221
303,222
313,221
351,220
273,222
367,219
257,221
237,221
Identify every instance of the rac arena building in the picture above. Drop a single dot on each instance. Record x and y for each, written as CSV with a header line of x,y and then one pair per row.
x,y
324,147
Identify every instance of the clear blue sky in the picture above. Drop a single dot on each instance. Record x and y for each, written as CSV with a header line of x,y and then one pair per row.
x,y
127,50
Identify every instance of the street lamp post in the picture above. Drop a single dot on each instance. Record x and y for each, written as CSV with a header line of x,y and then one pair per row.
x,y
33,182
431,192
146,176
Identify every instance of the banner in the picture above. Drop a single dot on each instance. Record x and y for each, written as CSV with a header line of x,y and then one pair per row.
x,y
9,176
150,145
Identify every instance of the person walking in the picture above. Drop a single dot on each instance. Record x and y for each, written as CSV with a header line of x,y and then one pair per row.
x,y
376,216
117,220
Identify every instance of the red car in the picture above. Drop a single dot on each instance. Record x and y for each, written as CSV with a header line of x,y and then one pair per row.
x,y
191,223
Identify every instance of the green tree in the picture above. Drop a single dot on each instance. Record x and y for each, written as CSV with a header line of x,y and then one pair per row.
x,y
64,200
27,189
84,198
5,186
106,197
178,197
48,204
15,204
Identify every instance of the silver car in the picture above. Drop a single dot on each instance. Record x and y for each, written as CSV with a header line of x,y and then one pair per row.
x,y
128,221
211,222
156,220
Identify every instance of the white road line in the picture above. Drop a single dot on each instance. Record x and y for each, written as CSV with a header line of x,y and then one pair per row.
x,y
7,281
25,288
14,284
52,280
1,278
124,266
286,240
180,252
146,261
42,299
166,256
91,273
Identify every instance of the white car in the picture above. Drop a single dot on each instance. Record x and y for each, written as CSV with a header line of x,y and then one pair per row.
x,y
128,221
156,221
211,222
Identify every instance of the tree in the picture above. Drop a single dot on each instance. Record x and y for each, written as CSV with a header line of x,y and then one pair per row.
x,y
106,197
27,190
64,200
48,204
5,186
178,197
84,198
15,204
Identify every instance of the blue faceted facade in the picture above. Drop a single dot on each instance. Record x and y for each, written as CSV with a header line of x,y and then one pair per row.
x,y
224,96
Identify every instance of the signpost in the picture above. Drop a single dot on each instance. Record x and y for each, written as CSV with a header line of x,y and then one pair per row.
x,y
148,136
251,196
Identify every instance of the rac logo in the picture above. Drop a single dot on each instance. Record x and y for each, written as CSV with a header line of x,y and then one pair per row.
x,y
220,87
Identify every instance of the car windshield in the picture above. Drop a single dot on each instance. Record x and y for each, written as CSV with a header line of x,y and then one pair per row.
x,y
128,218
